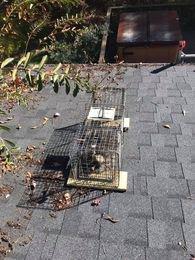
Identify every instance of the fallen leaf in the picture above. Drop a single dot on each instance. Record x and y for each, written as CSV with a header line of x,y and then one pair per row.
x,y
109,218
18,127
9,118
95,202
167,126
4,238
182,246
15,225
5,190
184,112
45,120
4,250
63,201
34,127
53,215
30,148
56,114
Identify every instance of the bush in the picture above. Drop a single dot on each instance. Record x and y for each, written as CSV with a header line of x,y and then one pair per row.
x,y
85,47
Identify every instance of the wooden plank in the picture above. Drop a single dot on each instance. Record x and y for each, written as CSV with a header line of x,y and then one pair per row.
x,y
105,37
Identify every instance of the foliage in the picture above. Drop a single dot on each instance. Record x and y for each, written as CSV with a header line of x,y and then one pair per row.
x,y
22,26
84,48
7,148
38,75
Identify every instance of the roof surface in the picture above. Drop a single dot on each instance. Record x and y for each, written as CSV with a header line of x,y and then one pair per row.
x,y
157,213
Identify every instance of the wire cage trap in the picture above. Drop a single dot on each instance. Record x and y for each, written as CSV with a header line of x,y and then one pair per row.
x,y
107,107
95,157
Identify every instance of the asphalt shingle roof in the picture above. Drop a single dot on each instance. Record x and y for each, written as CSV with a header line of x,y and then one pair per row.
x,y
158,210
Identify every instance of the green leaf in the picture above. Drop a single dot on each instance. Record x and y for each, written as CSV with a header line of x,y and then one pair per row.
x,y
2,112
3,127
9,142
67,85
6,62
40,83
56,86
43,60
67,69
61,80
58,67
22,59
55,78
76,90
27,59
29,78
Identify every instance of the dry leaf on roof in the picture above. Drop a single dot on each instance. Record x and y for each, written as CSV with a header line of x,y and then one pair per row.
x,y
18,127
182,246
45,120
109,218
13,224
63,201
5,190
167,126
4,250
95,202
53,215
34,127
56,114
183,112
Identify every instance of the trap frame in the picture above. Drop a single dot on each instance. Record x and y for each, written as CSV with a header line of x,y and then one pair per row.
x,y
95,157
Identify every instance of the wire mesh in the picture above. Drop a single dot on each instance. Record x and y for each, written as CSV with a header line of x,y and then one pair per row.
x,y
95,154
109,98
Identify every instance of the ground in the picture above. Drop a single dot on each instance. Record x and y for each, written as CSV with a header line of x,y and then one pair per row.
x,y
157,212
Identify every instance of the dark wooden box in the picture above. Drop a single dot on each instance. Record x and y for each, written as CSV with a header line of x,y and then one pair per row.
x,y
151,36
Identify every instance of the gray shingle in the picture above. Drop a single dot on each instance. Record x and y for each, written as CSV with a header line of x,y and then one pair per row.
x,y
176,108
36,246
146,117
136,234
182,85
175,100
123,205
173,93
144,140
168,170
166,154
132,152
183,154
171,188
165,234
189,170
191,184
132,92
148,107
157,140
140,168
146,92
75,248
140,185
49,247
150,128
154,254
167,209
148,153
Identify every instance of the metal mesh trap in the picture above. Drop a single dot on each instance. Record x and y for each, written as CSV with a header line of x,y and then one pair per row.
x,y
95,156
